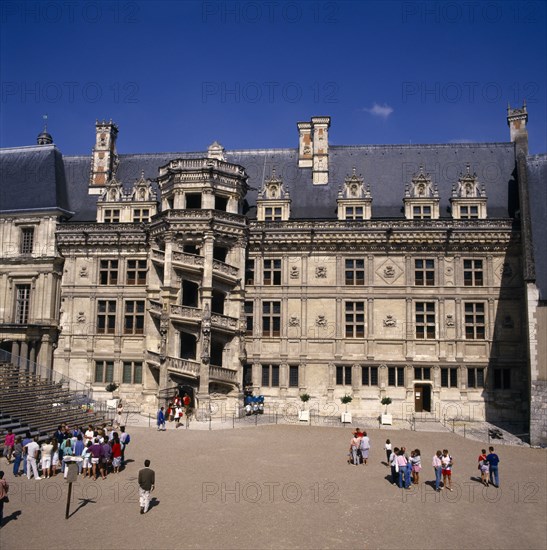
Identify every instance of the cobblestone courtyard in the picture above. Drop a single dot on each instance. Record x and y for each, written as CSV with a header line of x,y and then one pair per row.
x,y
284,487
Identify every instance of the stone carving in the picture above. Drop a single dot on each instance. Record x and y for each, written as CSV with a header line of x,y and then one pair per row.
x,y
294,321
321,321
80,318
321,272
390,321
389,272
295,272
83,272
450,321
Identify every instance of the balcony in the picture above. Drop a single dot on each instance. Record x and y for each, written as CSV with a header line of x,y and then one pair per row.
x,y
154,307
221,374
223,322
191,262
186,314
186,367
227,272
157,256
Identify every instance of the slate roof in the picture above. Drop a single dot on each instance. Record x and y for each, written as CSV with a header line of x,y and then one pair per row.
x,y
32,178
537,188
43,178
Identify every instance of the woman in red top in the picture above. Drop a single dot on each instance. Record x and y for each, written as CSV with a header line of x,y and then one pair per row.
x,y
116,454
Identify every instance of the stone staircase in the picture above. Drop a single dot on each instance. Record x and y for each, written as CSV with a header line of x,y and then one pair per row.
x,y
35,403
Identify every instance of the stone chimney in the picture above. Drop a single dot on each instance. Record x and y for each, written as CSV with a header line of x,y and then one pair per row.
x,y
305,152
517,119
320,126
105,158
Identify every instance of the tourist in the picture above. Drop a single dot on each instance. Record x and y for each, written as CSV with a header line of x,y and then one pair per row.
x,y
365,447
493,462
4,489
484,467
447,464
86,454
32,450
387,448
9,442
78,449
438,467
17,455
403,473
147,480
96,452
106,458
54,457
88,436
160,419
416,461
26,440
125,439
178,415
116,453
354,444
47,452
393,464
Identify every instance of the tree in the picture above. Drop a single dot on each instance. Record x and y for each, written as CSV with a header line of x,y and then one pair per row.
x,y
112,387
305,397
345,399
386,401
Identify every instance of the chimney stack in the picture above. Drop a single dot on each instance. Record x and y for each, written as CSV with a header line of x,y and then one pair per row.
x,y
517,119
105,158
305,152
320,126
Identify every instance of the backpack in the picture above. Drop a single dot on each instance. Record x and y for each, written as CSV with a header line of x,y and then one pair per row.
x,y
127,439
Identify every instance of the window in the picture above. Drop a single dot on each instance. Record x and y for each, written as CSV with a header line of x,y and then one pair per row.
x,y
355,272
141,215
272,214
247,375
271,319
112,215
22,304
27,240
425,320
474,321
475,377
354,212
343,376
272,272
469,212
132,372
106,316
422,373
472,273
421,212
449,377
104,372
424,272
221,203
355,319
293,376
396,376
369,376
136,272
249,316
134,317
250,272
108,272
270,376
502,379
193,200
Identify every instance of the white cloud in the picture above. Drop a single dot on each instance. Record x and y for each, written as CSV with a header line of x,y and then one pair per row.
x,y
383,111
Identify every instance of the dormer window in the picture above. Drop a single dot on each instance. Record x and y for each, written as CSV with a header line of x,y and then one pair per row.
x,y
273,203
421,198
468,199
354,199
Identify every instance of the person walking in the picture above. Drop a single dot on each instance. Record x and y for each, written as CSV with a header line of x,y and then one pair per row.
x,y
9,442
147,481
17,455
160,419
493,462
119,413
484,467
387,448
438,467
354,444
125,439
4,488
365,447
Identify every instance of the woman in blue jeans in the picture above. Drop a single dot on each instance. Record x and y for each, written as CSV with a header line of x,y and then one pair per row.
x,y
437,466
17,455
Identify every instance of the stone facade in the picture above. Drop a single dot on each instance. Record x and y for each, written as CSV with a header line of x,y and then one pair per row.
x,y
171,279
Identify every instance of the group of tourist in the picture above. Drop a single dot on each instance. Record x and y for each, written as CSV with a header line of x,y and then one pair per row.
x,y
96,450
175,412
406,465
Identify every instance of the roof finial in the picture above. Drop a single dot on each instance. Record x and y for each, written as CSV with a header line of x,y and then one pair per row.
x,y
45,122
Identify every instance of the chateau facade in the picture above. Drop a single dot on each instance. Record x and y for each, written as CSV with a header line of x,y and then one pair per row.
x,y
413,272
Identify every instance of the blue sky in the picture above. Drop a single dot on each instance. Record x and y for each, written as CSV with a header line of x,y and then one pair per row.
x,y
175,76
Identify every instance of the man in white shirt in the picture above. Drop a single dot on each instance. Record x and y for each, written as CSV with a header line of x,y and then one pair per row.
x,y
31,450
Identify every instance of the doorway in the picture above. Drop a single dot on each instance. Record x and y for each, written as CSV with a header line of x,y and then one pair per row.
x,y
422,398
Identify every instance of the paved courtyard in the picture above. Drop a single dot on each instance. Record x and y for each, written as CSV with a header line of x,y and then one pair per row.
x,y
284,487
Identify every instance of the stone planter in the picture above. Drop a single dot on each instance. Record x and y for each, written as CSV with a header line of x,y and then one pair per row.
x,y
304,416
346,418
387,419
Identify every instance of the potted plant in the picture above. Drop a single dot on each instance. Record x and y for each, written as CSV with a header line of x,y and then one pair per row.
x,y
112,387
346,416
304,414
386,418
